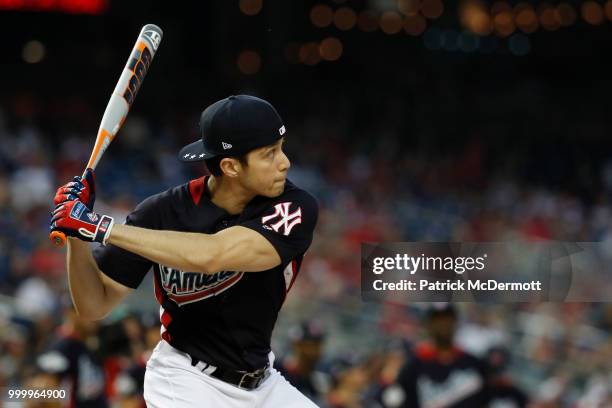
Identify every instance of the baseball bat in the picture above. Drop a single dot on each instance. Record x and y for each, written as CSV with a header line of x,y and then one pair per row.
x,y
122,99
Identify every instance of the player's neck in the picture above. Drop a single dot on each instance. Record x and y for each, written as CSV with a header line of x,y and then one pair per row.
x,y
228,195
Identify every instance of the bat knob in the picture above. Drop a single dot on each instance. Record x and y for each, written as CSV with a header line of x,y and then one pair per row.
x,y
58,238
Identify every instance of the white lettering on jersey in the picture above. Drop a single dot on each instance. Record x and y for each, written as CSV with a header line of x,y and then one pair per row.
x,y
287,220
458,386
188,287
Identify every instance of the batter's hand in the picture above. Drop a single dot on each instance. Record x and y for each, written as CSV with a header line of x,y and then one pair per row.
x,y
80,188
74,219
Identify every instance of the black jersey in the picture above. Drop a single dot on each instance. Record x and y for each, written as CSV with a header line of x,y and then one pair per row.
x,y
427,380
225,319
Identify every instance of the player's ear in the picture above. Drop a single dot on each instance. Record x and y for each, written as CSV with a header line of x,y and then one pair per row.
x,y
230,167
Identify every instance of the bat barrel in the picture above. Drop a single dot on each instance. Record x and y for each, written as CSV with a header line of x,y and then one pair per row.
x,y
153,35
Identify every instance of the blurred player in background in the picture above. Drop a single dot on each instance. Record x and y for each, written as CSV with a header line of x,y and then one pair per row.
x,y
439,374
299,368
71,363
128,387
122,343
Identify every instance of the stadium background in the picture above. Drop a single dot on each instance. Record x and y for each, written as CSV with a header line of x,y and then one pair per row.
x,y
408,120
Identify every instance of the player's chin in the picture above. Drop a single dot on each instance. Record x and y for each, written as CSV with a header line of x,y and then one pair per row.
x,y
275,190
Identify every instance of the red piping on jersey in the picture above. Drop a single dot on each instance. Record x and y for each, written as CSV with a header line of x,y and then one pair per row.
x,y
165,318
295,271
158,294
429,352
196,188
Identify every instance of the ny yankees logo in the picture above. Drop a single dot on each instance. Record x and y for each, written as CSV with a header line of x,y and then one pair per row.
x,y
287,220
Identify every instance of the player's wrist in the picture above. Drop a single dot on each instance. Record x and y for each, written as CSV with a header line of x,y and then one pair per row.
x,y
74,219
103,229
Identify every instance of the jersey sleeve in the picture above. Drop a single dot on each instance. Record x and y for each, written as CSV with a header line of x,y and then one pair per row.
x,y
123,266
288,223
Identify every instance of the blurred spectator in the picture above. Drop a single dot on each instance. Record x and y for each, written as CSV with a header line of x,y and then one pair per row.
x,y
13,353
34,298
40,380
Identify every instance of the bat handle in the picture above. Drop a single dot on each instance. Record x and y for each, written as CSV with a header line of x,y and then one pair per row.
x,y
58,238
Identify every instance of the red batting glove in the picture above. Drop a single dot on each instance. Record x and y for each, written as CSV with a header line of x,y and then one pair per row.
x,y
74,219
80,188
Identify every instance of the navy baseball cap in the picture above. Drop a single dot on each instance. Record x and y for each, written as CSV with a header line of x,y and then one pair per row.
x,y
233,126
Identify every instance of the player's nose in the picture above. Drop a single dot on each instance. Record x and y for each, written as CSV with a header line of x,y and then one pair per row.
x,y
285,163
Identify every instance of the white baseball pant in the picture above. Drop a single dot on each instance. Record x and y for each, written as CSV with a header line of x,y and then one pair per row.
x,y
172,382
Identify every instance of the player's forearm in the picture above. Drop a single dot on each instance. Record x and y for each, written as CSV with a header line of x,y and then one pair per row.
x,y
193,252
86,287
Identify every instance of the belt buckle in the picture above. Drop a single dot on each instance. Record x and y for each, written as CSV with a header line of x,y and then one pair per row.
x,y
256,375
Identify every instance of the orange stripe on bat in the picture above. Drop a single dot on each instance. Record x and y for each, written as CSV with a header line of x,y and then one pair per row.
x,y
100,142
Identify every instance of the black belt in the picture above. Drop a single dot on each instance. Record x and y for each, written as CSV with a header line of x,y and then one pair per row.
x,y
248,380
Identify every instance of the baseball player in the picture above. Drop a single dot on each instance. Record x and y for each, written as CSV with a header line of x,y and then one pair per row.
x,y
439,374
225,250
300,368
70,363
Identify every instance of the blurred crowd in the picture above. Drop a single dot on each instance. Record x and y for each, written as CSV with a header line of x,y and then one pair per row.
x,y
380,188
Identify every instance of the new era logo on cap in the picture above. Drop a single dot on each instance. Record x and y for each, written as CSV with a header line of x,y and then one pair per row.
x,y
226,145
281,130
